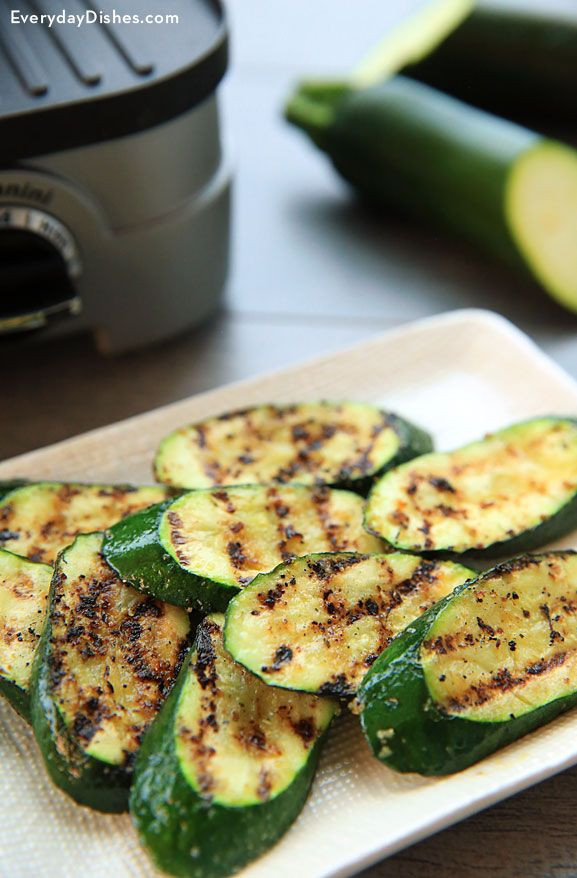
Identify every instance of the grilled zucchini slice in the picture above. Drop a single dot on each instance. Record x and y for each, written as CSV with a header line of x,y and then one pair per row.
x,y
318,623
511,492
105,662
226,766
485,666
343,444
24,587
201,549
38,520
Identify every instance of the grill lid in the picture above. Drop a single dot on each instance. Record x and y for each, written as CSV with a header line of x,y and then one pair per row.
x,y
63,85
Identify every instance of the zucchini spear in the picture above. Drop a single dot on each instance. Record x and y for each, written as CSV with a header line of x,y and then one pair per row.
x,y
406,147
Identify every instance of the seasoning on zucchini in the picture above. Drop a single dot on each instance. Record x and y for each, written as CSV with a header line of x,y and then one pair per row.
x,y
201,549
318,623
409,148
516,62
482,668
39,519
511,492
24,589
105,662
344,444
226,766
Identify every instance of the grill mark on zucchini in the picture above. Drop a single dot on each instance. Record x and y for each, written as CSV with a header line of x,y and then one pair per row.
x,y
318,623
512,491
340,444
38,520
106,661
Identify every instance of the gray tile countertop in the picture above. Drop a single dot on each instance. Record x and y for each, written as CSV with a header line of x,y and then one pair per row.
x,y
311,273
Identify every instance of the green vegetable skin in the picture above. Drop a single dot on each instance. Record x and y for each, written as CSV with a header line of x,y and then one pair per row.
x,y
408,147
516,62
199,550
497,644
513,491
263,748
104,664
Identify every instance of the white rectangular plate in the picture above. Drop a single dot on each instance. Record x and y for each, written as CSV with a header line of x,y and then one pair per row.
x,y
459,375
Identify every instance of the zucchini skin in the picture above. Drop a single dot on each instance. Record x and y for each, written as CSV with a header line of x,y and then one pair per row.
x,y
173,820
394,696
134,551
17,697
87,780
514,62
407,147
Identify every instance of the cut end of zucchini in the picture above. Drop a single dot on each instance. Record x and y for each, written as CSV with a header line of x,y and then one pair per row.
x,y
340,444
508,645
229,535
257,739
318,623
412,40
110,657
541,208
24,588
515,488
37,521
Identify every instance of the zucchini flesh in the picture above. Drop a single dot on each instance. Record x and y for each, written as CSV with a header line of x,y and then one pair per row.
x,y
343,444
407,147
413,40
485,666
226,766
201,549
512,491
105,662
38,520
318,623
24,587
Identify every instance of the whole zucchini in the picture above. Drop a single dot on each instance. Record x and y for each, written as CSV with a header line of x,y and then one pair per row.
x,y
226,766
105,663
24,587
513,491
201,549
318,623
39,519
485,666
407,147
514,61
341,444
